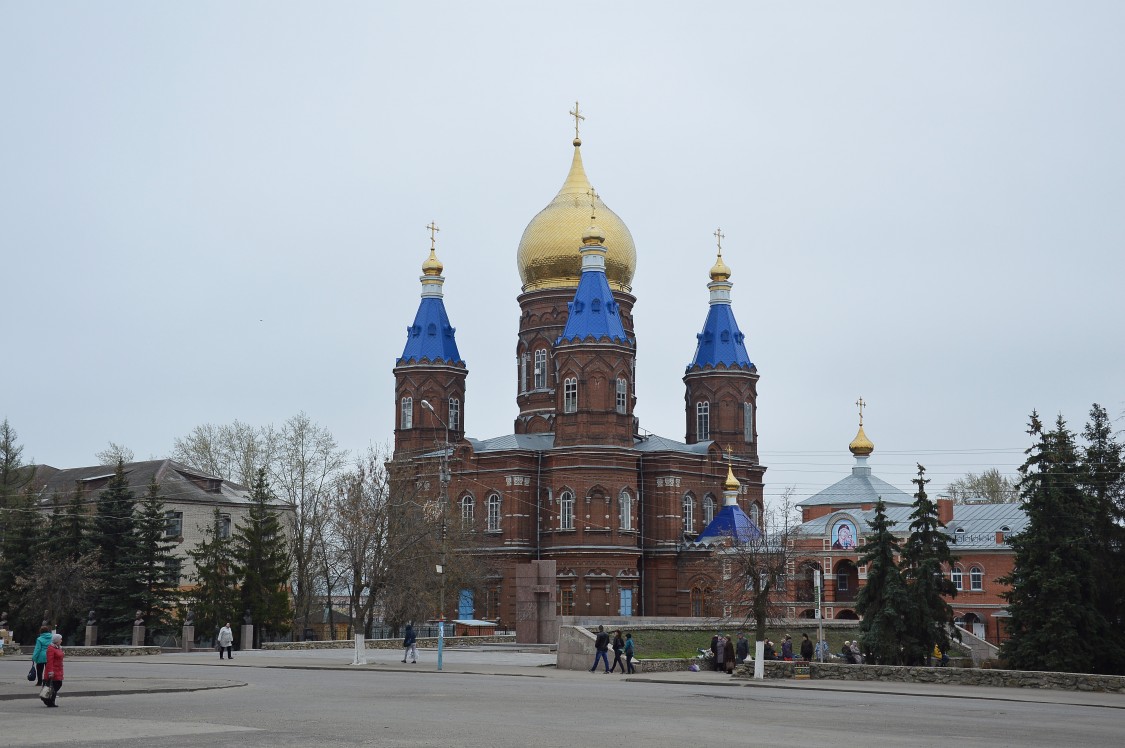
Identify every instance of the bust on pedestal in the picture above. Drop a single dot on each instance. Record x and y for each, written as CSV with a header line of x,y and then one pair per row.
x,y
189,630
139,631
91,629
247,641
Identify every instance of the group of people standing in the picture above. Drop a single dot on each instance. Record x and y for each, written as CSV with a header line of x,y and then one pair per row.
x,y
47,663
622,647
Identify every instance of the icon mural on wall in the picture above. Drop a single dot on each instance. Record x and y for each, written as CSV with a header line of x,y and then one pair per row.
x,y
844,535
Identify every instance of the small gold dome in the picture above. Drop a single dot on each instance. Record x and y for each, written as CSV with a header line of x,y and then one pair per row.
x,y
593,235
732,483
720,271
432,266
548,253
861,446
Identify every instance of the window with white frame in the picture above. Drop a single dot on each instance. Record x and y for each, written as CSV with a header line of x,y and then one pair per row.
x,y
406,418
626,508
976,579
494,512
708,509
467,509
748,422
522,363
703,420
454,414
570,395
541,369
566,511
173,524
689,513
224,526
956,576
622,395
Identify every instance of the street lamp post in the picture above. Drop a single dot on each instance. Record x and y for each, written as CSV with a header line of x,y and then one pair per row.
x,y
443,480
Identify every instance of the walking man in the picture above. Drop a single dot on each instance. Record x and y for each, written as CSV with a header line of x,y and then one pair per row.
x,y
601,649
409,647
226,641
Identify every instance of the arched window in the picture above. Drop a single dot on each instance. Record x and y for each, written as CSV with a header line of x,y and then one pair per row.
x,y
748,422
689,513
467,511
708,509
454,414
699,597
494,512
570,395
956,577
625,520
702,420
406,419
756,515
566,511
976,579
541,369
622,395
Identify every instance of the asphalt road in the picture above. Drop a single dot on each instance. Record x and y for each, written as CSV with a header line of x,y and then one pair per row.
x,y
268,703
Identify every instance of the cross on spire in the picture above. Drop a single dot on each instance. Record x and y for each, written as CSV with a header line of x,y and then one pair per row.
x,y
577,118
433,235
593,202
860,403
719,236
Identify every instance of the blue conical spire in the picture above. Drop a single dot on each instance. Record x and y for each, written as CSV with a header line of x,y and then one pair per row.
x,y
594,312
431,337
721,342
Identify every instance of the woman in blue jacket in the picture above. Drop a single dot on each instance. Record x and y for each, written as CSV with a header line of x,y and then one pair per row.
x,y
39,656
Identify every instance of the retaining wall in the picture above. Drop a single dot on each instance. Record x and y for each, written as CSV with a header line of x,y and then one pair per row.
x,y
424,642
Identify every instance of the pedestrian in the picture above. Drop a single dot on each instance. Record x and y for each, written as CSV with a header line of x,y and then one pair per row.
x,y
721,653
822,651
629,650
601,649
226,641
410,645
618,650
715,651
846,653
787,648
806,648
39,654
768,652
728,655
54,669
742,649
857,656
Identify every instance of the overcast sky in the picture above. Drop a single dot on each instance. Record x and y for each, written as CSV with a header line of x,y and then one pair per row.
x,y
213,211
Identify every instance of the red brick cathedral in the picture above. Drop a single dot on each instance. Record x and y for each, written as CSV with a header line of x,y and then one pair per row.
x,y
625,515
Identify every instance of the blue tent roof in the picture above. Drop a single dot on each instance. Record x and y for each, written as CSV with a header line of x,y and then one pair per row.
x,y
431,337
721,342
594,312
729,523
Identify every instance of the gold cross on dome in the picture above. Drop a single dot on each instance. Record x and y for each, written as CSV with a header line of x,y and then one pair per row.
x,y
719,236
433,235
861,404
593,201
577,117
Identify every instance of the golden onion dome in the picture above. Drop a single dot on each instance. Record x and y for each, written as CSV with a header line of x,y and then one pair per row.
x,y
548,254
720,271
432,266
861,446
732,483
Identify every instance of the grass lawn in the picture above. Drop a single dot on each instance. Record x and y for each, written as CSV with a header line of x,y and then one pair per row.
x,y
677,644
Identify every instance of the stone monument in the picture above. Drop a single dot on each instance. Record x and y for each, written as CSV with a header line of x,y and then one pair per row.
x,y
189,630
536,621
139,631
247,641
91,629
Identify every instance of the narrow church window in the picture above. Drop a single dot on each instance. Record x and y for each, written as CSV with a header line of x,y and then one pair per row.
x,y
596,305
976,579
566,511
689,514
702,420
570,395
406,421
541,369
467,511
956,575
494,512
626,519
622,395
523,372
755,515
748,422
454,414
708,510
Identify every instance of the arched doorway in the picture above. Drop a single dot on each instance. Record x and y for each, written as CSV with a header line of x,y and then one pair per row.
x,y
808,613
972,623
847,581
846,615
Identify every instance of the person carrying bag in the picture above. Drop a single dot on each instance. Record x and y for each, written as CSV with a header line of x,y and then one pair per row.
x,y
53,672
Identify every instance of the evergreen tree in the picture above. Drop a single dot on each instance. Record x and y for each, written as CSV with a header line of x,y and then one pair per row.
x,y
883,602
19,550
926,556
14,475
1055,622
68,528
263,562
159,568
114,537
215,597
66,558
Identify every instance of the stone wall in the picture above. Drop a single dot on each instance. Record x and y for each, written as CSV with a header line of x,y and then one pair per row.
x,y
424,642
945,675
111,651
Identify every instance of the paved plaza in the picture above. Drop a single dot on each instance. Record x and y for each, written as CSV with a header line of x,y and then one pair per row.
x,y
501,697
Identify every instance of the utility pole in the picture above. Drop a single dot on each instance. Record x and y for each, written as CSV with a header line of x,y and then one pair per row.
x,y
443,480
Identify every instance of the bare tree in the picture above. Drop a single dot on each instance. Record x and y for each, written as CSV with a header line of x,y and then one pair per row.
x,y
992,486
114,454
232,451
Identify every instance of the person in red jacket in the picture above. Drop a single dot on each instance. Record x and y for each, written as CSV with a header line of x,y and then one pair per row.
x,y
53,673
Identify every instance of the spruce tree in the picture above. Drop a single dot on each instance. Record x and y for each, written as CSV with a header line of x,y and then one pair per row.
x,y
68,528
114,538
19,550
14,475
158,566
926,556
215,597
264,566
883,601
1055,623
65,554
